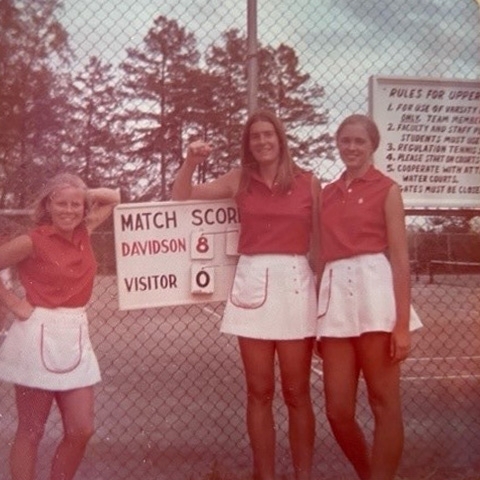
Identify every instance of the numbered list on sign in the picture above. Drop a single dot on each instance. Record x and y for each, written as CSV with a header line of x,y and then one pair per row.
x,y
431,141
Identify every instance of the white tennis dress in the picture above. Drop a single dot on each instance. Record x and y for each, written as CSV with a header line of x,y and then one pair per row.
x,y
50,350
272,297
356,296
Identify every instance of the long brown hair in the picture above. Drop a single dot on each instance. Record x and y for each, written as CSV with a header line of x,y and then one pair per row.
x,y
287,168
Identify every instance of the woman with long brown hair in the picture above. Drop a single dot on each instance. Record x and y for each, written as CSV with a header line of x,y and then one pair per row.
x,y
272,304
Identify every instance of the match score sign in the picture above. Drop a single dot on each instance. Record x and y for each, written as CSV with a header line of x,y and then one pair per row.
x,y
175,253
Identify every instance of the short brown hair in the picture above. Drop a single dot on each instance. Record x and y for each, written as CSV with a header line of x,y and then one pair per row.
x,y
370,127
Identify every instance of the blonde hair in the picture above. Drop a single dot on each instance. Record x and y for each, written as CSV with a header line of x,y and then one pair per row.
x,y
40,214
287,168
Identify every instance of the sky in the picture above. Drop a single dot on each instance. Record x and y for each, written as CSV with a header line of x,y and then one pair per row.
x,y
340,43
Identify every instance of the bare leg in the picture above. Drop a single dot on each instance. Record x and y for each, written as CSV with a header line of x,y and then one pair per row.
x,y
76,407
383,382
341,373
295,358
258,360
33,407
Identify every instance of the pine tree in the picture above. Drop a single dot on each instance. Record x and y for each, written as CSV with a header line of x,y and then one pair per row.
x,y
156,90
95,139
31,41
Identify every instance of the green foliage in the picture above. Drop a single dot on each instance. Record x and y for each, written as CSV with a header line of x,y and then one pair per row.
x,y
94,138
33,103
156,91
128,126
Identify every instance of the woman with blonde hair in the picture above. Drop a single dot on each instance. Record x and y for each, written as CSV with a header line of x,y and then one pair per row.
x,y
47,353
364,311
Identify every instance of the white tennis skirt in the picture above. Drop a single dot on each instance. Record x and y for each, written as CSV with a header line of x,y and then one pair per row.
x,y
50,350
356,296
272,297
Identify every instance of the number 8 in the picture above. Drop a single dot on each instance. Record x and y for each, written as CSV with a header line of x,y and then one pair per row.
x,y
202,245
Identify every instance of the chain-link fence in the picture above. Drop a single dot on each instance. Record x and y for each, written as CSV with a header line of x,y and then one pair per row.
x,y
143,78
171,403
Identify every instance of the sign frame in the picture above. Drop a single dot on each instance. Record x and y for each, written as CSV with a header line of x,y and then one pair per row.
x,y
430,138
175,252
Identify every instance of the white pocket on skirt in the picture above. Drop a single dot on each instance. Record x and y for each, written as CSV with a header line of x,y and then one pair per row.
x,y
61,348
250,288
325,293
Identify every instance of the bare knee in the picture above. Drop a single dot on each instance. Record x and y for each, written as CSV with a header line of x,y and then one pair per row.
x,y
297,397
384,402
261,396
385,407
340,416
79,435
32,434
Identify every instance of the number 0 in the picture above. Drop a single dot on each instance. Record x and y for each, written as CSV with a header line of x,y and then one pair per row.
x,y
202,278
